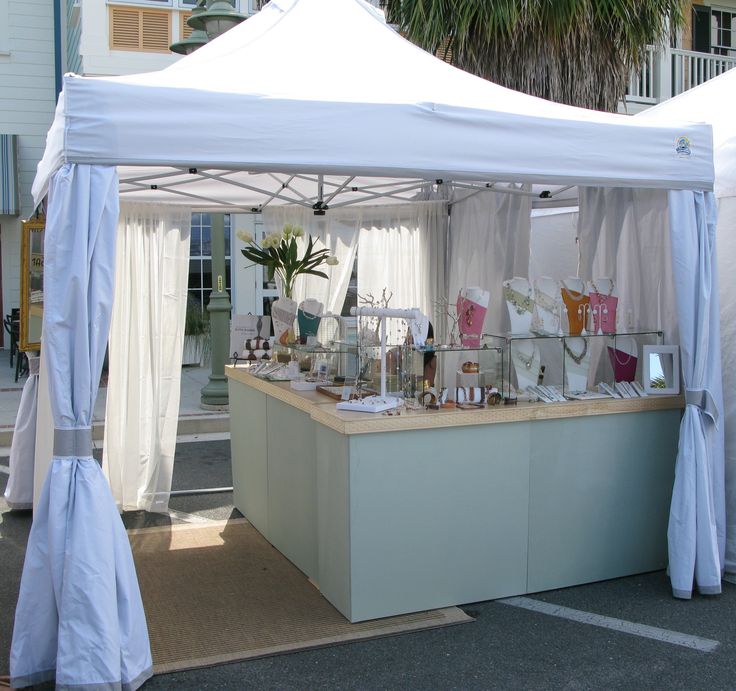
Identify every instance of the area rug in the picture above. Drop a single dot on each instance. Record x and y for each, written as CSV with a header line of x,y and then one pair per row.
x,y
220,592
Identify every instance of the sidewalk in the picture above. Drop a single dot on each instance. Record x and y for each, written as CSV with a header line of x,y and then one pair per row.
x,y
193,420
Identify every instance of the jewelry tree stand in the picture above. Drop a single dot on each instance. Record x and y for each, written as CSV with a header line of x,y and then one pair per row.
x,y
377,404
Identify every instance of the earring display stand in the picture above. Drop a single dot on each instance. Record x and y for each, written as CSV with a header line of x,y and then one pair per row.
x,y
603,304
382,402
548,306
577,363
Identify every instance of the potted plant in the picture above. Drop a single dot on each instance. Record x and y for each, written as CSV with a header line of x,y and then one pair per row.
x,y
196,333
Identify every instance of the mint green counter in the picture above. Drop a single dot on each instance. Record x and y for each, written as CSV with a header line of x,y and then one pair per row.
x,y
396,514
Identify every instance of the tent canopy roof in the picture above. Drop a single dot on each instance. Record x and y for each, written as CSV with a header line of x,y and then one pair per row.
x,y
325,87
713,102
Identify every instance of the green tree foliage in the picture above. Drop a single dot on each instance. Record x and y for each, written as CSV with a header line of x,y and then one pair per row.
x,y
579,52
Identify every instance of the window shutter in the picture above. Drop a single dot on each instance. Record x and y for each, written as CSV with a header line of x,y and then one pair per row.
x,y
185,31
140,29
701,29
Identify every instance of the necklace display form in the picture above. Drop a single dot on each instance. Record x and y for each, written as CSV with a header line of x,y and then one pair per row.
x,y
603,304
526,360
548,307
309,316
623,354
520,305
577,304
577,363
472,304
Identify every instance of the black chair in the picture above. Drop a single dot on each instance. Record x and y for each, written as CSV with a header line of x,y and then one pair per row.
x,y
10,330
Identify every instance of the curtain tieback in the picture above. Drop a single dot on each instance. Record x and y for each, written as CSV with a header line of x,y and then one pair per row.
x,y
703,399
34,363
73,442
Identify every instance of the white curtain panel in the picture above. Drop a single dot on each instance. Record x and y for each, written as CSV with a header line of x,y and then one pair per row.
x,y
79,618
402,248
489,242
553,244
337,231
696,533
146,340
625,234
726,270
19,490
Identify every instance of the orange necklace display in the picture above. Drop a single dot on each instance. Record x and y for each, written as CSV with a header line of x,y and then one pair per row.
x,y
577,305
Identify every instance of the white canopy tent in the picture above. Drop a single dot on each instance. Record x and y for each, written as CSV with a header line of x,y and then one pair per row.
x,y
273,126
714,102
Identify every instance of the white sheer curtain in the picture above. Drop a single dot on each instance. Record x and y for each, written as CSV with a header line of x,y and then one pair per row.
x,y
489,242
79,618
146,338
726,270
403,248
338,232
19,490
696,533
625,234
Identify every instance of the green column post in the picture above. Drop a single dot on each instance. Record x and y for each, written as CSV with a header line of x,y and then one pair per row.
x,y
214,393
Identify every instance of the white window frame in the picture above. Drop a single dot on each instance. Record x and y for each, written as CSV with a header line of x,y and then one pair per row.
x,y
173,4
715,47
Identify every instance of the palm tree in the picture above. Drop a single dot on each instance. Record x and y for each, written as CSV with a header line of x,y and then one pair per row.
x,y
580,52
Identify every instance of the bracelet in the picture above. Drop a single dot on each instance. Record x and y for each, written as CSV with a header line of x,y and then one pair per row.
x,y
471,367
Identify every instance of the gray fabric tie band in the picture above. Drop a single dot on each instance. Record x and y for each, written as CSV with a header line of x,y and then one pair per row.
x,y
33,365
76,443
703,399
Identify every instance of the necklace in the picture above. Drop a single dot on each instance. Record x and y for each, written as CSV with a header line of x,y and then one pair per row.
x,y
577,359
526,360
616,351
469,311
544,301
522,303
604,295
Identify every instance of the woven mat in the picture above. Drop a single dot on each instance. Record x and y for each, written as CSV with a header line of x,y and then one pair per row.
x,y
220,592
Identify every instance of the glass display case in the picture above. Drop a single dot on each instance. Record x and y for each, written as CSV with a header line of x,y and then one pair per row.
x,y
554,368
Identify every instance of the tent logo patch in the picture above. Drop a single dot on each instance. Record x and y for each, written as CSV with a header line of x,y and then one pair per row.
x,y
682,147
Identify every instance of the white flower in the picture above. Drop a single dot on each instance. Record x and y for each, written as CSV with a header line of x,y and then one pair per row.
x,y
271,240
332,261
298,232
247,238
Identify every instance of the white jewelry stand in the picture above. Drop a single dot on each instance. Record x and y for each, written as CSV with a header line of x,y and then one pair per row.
x,y
548,305
576,373
377,404
519,304
526,360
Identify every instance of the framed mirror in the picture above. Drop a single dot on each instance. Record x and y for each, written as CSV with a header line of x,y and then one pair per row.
x,y
31,283
661,371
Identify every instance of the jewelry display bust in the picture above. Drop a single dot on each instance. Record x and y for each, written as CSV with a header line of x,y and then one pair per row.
x,y
623,352
577,304
472,304
308,318
603,303
517,292
577,363
548,304
526,360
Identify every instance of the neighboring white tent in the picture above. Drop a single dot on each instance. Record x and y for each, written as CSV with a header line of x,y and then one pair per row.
x,y
715,102
324,91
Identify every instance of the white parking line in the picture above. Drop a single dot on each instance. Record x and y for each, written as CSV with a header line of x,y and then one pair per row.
x,y
705,645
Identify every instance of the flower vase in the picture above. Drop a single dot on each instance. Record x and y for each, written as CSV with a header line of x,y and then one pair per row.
x,y
283,313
